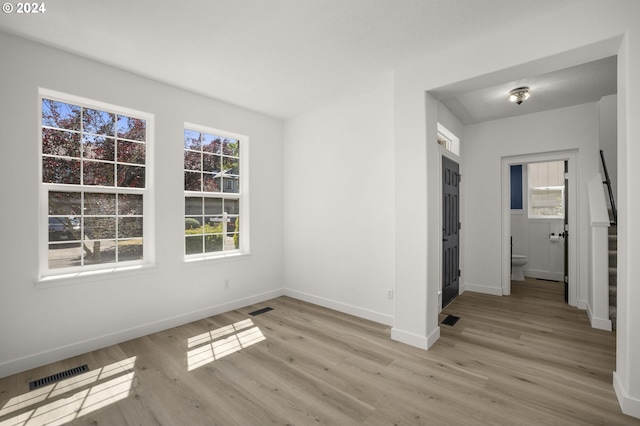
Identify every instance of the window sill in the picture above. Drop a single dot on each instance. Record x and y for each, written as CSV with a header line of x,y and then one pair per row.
x,y
200,260
75,278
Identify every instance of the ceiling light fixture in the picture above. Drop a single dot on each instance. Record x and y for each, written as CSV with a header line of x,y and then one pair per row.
x,y
519,95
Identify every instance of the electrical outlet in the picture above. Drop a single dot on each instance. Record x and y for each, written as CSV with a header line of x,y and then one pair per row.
x,y
390,293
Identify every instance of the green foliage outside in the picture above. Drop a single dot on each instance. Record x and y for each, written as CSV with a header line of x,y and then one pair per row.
x,y
212,237
236,236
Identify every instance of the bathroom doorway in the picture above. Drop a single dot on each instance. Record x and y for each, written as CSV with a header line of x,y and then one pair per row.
x,y
535,217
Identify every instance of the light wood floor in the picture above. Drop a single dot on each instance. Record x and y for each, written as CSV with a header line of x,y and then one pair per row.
x,y
527,359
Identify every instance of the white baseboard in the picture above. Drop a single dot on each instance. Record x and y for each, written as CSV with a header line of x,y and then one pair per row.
x,y
63,352
599,323
629,405
544,275
340,307
496,291
412,339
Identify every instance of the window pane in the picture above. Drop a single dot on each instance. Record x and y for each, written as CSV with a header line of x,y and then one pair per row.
x,y
58,142
211,163
193,206
60,170
193,225
132,128
211,143
99,228
232,206
98,122
131,176
212,243
192,140
213,206
192,160
60,115
64,203
129,227
193,244
231,166
98,147
213,225
130,250
231,147
232,222
63,228
129,204
131,152
192,181
64,255
99,204
211,183
100,252
97,173
231,184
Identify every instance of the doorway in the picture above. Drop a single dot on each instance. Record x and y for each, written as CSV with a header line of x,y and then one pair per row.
x,y
570,271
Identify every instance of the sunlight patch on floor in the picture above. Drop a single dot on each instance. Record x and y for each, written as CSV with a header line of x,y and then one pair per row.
x,y
223,341
97,392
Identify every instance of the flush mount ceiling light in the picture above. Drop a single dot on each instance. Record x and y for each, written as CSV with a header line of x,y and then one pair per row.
x,y
519,95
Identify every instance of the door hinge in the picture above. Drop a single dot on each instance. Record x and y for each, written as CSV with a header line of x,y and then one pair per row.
x,y
459,273
566,279
566,227
459,225
566,176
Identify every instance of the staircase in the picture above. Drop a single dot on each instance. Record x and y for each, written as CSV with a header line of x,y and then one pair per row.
x,y
613,248
613,274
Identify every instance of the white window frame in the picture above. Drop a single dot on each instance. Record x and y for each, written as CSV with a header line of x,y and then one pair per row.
x,y
447,140
242,196
532,215
531,189
47,274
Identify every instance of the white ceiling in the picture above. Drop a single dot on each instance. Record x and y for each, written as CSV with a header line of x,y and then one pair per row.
x,y
285,57
570,86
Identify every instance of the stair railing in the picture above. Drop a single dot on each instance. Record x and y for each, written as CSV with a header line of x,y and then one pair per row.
x,y
607,182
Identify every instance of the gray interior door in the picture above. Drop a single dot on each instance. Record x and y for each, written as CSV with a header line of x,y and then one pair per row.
x,y
450,230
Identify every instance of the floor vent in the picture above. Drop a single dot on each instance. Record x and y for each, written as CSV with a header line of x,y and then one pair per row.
x,y
260,311
450,320
58,376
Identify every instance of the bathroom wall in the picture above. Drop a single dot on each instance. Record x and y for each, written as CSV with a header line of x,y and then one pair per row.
x,y
530,237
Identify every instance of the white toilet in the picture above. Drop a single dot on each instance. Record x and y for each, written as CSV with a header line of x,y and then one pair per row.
x,y
517,262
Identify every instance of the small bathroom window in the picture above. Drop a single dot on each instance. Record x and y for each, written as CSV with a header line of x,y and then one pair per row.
x,y
546,190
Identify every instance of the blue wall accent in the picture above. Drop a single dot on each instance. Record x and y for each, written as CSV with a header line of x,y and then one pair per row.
x,y
516,187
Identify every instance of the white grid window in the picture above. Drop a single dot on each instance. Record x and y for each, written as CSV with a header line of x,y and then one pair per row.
x,y
94,175
214,178
546,190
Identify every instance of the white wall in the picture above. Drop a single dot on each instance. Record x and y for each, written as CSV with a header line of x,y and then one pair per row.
x,y
609,140
339,221
574,128
40,325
